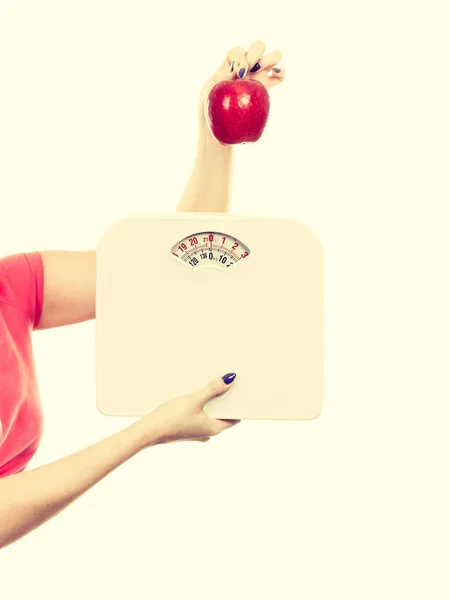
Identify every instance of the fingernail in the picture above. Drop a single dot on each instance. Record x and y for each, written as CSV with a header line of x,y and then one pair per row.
x,y
241,73
229,378
277,70
232,66
255,68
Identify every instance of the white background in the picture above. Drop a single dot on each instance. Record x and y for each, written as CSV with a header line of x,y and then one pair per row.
x,y
98,106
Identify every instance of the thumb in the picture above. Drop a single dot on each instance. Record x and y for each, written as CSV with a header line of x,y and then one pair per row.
x,y
216,387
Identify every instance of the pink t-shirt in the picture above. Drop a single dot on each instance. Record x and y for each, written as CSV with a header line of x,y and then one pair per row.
x,y
21,299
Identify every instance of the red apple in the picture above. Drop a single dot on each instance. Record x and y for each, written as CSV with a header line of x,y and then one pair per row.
x,y
237,110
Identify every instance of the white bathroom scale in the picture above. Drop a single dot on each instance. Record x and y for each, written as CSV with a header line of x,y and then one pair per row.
x,y
187,297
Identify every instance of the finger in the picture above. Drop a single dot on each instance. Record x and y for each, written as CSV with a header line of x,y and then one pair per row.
x,y
238,62
222,424
271,59
216,387
276,75
255,52
201,439
229,422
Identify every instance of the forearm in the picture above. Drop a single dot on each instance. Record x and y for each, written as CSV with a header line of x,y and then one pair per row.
x,y
209,186
30,498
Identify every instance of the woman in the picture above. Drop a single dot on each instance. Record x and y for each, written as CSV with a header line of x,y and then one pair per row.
x,y
41,290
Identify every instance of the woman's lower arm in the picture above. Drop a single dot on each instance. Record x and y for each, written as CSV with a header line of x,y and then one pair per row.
x,y
209,186
30,498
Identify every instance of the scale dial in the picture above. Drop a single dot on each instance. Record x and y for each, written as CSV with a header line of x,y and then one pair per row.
x,y
210,249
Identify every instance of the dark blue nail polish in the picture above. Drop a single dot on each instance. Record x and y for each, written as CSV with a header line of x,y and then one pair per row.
x,y
229,378
277,70
255,68
241,73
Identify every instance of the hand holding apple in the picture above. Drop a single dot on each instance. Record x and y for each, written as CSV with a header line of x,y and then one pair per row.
x,y
235,102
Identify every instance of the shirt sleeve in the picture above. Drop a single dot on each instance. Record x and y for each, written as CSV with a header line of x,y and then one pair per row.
x,y
22,284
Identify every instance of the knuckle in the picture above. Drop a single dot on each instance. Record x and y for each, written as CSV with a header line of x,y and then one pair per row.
x,y
258,46
215,388
198,396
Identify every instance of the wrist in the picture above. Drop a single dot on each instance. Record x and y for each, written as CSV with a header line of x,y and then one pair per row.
x,y
208,145
146,432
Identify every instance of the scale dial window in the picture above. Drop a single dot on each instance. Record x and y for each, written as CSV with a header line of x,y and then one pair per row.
x,y
210,249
